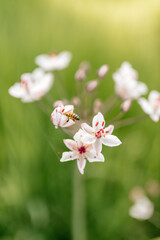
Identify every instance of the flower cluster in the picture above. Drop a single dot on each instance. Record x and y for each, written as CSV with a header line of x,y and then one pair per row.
x,y
87,140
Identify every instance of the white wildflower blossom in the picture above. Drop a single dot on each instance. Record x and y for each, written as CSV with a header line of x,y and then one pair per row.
x,y
152,105
80,151
53,61
98,135
60,116
32,86
127,85
142,209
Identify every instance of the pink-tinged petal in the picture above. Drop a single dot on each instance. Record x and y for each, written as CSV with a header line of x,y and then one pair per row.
x,y
98,122
92,157
88,138
110,140
154,117
72,145
79,135
68,156
68,108
17,91
87,128
56,119
97,146
109,129
153,96
28,98
142,89
125,106
69,123
145,105
81,163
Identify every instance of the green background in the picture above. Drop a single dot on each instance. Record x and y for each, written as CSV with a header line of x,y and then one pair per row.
x,y
36,190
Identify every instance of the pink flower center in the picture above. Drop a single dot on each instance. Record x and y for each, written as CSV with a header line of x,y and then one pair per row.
x,y
82,150
99,133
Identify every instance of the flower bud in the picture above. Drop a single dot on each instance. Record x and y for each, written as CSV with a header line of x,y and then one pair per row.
x,y
91,85
97,105
80,75
153,188
103,71
76,101
125,106
60,102
136,193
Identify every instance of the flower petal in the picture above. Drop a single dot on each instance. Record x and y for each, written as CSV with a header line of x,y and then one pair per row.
x,y
98,122
145,105
79,135
17,91
72,145
81,163
153,96
68,156
97,146
154,117
110,140
87,128
109,129
92,157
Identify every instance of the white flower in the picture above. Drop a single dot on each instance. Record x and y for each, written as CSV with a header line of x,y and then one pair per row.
x,y
32,86
60,118
80,151
143,209
97,134
152,105
54,61
127,85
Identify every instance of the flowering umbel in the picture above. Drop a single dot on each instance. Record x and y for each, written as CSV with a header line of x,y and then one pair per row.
x,y
87,139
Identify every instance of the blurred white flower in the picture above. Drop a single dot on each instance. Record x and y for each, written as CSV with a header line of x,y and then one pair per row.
x,y
143,209
127,85
80,151
91,85
59,116
152,105
97,134
32,86
103,70
50,62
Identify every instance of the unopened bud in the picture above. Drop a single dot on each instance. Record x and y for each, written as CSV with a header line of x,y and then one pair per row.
x,y
136,193
80,75
103,71
59,102
81,72
76,101
153,188
125,106
90,86
85,66
97,105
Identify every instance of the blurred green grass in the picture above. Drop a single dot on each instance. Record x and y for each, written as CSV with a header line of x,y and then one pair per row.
x,y
35,188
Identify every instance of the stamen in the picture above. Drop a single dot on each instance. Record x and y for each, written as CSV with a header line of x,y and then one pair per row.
x,y
96,124
102,123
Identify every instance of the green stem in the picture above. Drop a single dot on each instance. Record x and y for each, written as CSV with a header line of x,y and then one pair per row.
x,y
130,121
109,103
78,214
118,117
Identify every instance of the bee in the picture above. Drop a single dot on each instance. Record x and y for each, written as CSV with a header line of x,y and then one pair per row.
x,y
72,115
